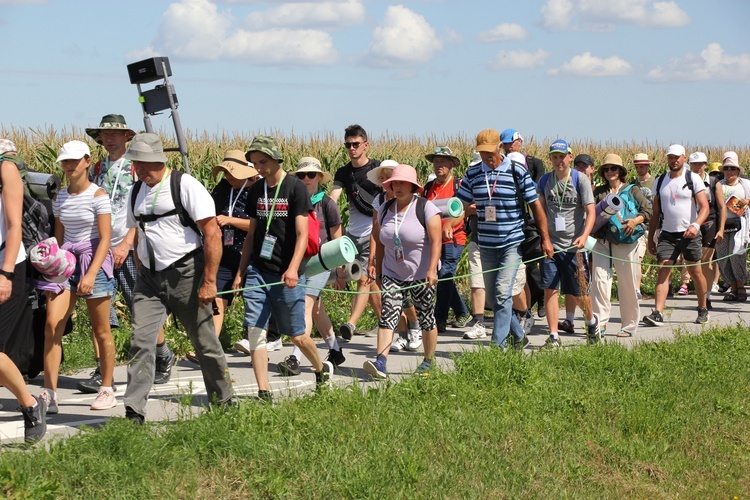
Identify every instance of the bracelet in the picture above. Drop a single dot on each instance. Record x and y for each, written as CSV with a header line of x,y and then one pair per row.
x,y
696,226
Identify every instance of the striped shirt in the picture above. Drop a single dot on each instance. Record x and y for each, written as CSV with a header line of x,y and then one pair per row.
x,y
479,182
78,213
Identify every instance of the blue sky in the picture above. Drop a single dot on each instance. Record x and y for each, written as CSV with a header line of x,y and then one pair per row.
x,y
605,70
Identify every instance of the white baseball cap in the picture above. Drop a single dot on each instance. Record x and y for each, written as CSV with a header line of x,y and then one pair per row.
x,y
676,149
698,157
73,150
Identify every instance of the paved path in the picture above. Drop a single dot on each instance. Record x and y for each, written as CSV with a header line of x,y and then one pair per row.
x,y
168,401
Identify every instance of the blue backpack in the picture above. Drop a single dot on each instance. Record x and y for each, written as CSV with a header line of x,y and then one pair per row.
x,y
629,210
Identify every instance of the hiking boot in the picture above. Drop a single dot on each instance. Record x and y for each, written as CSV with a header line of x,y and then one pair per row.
x,y
34,421
336,358
134,416
476,333
375,369
415,339
425,367
104,400
50,401
289,367
566,326
442,326
346,331
398,344
593,333
242,346
323,377
654,319
92,385
164,366
552,343
462,322
702,318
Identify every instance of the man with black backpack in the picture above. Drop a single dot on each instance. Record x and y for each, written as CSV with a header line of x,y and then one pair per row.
x,y
680,207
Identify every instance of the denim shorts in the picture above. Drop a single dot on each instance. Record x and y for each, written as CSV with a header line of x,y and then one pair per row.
x,y
103,286
562,271
315,282
286,304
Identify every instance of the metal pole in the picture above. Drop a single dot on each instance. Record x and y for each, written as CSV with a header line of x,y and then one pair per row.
x,y
146,117
181,143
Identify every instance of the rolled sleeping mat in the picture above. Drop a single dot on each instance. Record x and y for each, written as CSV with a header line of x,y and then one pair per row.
x,y
332,254
605,209
449,207
352,272
42,186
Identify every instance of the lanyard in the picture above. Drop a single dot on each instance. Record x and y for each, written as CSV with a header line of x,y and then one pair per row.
x,y
435,192
396,225
231,193
275,197
565,190
487,182
158,190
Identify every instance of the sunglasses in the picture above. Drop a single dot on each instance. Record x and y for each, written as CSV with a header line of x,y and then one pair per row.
x,y
731,169
612,168
354,145
309,175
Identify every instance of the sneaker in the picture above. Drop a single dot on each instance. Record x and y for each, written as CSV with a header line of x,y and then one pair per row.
x,y
638,295
566,326
104,400
654,319
723,289
289,367
346,331
50,401
715,288
683,290
462,322
593,333
242,346
134,416
442,326
528,323
323,377
265,397
541,311
275,345
424,368
164,366
415,339
520,345
702,318
92,385
552,343
477,332
376,370
336,358
399,343
34,421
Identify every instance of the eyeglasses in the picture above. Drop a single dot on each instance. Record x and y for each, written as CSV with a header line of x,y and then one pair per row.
x,y
731,169
354,145
611,168
309,175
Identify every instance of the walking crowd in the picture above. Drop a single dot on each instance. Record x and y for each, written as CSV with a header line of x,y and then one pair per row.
x,y
129,222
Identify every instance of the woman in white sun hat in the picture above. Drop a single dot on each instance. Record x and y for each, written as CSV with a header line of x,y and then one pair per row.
x,y
731,250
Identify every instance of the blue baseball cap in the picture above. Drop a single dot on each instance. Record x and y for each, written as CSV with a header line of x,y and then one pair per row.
x,y
510,135
560,146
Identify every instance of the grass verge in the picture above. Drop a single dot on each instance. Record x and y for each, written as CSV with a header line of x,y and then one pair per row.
x,y
658,420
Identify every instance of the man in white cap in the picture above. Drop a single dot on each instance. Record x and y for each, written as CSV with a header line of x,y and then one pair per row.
x,y
177,273
680,207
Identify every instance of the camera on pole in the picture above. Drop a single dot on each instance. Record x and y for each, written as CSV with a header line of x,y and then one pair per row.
x,y
160,98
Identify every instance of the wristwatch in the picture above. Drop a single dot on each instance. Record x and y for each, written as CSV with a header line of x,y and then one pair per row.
x,y
9,275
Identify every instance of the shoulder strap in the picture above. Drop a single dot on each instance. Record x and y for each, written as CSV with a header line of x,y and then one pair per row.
x,y
576,181
543,181
427,187
175,182
134,194
386,207
421,203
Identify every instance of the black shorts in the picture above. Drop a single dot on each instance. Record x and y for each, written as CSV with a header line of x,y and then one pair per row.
x,y
671,245
708,234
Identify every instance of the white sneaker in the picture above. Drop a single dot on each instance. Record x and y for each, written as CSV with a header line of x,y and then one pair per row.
x,y
50,398
528,324
715,288
105,400
398,344
476,332
242,346
638,295
276,345
415,339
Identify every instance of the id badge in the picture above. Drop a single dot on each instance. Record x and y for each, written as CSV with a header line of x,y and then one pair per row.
x,y
266,250
490,214
229,237
399,254
559,223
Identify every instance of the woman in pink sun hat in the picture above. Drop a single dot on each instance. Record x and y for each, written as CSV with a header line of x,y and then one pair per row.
x,y
408,240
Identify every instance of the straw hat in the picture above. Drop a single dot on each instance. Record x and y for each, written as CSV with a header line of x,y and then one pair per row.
x,y
373,174
311,164
234,163
612,159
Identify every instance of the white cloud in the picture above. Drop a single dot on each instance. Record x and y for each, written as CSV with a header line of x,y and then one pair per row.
x,y
519,59
586,65
404,37
505,32
597,15
327,14
711,64
195,30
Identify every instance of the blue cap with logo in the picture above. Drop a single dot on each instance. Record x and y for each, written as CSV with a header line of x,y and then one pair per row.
x,y
510,135
560,146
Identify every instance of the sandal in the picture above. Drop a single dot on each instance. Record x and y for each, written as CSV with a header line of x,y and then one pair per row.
x,y
624,333
731,297
741,295
192,357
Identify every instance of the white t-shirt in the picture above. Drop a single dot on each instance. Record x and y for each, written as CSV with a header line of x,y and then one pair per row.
x,y
678,202
168,237
78,213
3,235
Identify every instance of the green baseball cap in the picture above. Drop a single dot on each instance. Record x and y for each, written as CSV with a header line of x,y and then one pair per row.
x,y
266,145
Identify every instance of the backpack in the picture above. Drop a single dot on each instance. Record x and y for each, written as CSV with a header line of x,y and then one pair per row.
x,y
313,234
419,208
629,210
35,217
175,181
688,182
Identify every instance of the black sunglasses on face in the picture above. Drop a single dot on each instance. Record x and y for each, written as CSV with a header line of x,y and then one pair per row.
x,y
354,145
731,168
611,168
309,175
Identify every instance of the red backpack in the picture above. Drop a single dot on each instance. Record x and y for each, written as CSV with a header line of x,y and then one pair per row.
x,y
313,234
